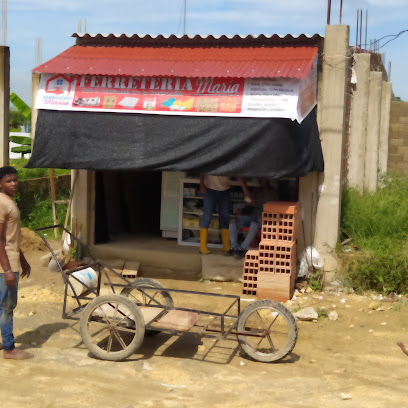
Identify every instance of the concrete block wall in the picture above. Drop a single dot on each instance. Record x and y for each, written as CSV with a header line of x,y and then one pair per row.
x,y
398,138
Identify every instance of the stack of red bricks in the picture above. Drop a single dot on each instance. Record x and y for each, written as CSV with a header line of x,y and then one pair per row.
x,y
269,273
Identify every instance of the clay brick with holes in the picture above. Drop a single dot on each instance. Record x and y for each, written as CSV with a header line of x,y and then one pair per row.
x,y
270,224
286,227
249,287
280,221
285,258
250,292
266,249
282,207
267,265
250,271
252,255
267,256
249,276
279,287
251,263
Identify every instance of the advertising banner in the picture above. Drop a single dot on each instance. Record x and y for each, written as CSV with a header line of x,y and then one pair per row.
x,y
239,97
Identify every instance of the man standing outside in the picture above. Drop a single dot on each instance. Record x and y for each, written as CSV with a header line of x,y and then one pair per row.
x,y
12,261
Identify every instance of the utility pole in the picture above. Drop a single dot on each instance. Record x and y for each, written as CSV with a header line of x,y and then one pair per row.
x,y
4,22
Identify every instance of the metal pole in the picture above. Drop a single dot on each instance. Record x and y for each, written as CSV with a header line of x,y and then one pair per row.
x,y
328,12
389,71
361,26
185,15
341,11
366,29
358,11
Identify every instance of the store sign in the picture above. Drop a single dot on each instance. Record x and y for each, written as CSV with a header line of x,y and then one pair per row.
x,y
266,98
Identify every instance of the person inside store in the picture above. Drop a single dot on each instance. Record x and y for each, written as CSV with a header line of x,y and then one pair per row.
x,y
250,216
216,190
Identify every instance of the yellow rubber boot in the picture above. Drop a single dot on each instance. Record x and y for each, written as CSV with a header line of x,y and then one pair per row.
x,y
203,241
225,237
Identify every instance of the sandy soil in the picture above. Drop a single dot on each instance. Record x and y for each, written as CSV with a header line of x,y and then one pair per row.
x,y
355,355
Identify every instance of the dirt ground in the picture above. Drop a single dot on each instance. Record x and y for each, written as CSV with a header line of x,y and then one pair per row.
x,y
355,355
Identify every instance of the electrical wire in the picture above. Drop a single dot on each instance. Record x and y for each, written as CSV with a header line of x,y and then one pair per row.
x,y
392,39
181,16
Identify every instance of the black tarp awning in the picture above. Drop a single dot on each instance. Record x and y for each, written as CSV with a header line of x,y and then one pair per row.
x,y
249,147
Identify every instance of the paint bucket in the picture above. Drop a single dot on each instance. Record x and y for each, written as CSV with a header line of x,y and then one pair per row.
x,y
87,276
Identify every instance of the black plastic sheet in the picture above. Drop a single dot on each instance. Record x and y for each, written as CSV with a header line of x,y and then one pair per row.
x,y
228,146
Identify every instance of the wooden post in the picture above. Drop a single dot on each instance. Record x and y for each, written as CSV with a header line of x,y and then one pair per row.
x,y
70,203
53,200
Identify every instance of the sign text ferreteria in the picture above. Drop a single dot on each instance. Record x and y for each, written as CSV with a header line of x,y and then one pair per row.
x,y
237,97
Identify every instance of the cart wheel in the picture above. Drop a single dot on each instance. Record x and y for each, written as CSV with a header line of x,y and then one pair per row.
x,y
158,298
112,327
271,328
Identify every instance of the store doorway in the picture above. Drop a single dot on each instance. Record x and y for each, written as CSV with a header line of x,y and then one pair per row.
x,y
127,203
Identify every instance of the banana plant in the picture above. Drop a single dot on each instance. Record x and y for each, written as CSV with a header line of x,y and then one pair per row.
x,y
25,142
21,106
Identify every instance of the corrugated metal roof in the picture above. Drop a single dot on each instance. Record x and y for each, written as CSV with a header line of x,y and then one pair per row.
x,y
247,62
189,40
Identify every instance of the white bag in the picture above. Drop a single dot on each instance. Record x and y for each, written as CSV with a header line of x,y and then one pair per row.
x,y
309,258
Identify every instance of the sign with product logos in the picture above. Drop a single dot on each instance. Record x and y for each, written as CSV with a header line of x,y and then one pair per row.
x,y
236,97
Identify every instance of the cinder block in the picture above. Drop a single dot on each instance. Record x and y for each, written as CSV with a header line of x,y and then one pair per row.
x,y
392,150
402,165
403,119
115,264
402,150
396,142
395,157
399,127
131,269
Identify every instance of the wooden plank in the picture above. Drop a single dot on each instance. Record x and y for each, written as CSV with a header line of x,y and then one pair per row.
x,y
150,313
70,203
177,320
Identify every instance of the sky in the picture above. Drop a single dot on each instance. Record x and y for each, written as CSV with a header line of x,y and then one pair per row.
x,y
55,20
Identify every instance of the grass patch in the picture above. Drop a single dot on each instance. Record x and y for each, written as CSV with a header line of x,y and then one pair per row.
x,y
378,225
24,173
322,313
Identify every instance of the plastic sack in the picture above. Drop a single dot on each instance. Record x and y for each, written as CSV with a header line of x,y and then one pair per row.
x,y
303,268
66,243
309,258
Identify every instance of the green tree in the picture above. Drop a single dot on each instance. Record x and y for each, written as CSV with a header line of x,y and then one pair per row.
x,y
17,119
